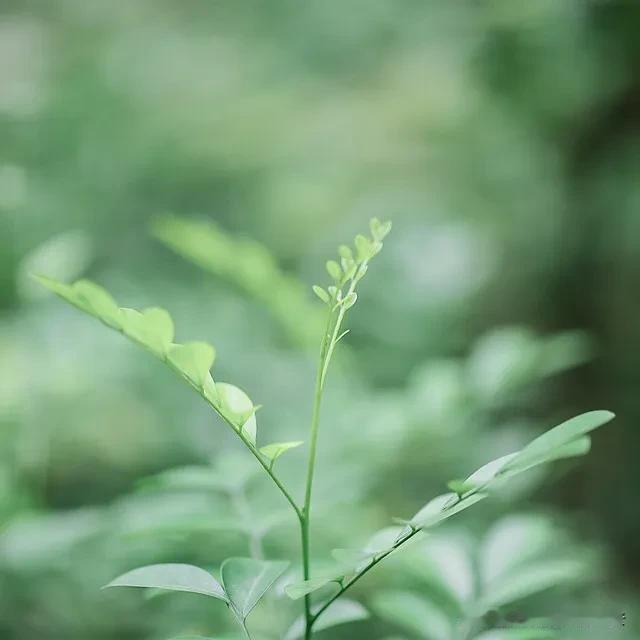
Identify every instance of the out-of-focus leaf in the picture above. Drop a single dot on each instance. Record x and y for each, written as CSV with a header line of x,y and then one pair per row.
x,y
172,577
297,590
191,478
517,634
529,579
341,611
413,613
246,580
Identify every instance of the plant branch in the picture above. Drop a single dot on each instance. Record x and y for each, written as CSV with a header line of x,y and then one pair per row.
x,y
377,559
252,448
347,585
329,341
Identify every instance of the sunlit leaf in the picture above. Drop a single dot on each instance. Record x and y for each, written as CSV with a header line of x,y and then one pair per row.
x,y
172,577
193,359
153,328
98,301
341,611
246,580
238,403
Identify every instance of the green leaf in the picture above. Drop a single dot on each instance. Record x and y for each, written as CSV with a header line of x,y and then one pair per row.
x,y
413,613
341,611
443,507
542,448
297,590
88,297
485,474
345,252
98,301
172,577
322,294
530,579
193,359
153,328
275,450
334,270
246,580
518,634
350,300
236,402
363,246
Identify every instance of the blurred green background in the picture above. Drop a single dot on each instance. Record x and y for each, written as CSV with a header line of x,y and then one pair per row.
x,y
503,140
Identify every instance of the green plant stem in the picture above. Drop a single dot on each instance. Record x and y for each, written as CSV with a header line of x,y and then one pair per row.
x,y
360,574
349,583
313,443
327,348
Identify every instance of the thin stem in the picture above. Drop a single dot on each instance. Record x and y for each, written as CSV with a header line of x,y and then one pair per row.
x,y
313,443
329,342
349,583
238,430
360,574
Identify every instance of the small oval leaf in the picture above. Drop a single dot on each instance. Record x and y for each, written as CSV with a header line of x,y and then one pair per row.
x,y
193,359
236,402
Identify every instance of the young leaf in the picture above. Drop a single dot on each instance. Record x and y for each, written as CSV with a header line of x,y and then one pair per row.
x,y
172,577
334,270
275,450
322,294
363,245
238,403
98,301
153,328
460,487
193,359
350,300
246,580
340,612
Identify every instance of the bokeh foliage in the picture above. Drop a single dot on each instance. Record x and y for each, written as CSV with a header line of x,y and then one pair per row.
x,y
501,137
